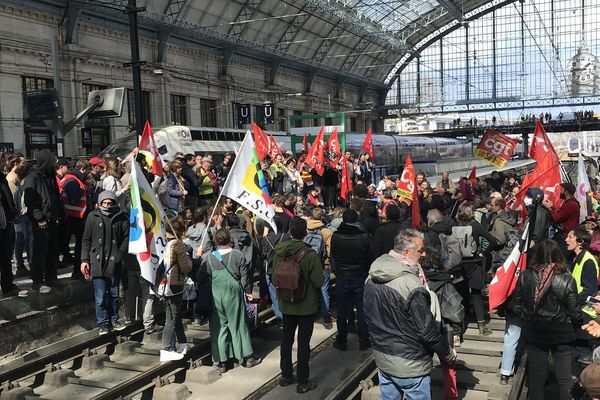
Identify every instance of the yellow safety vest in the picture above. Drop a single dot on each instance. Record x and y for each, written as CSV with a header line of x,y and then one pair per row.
x,y
577,270
206,185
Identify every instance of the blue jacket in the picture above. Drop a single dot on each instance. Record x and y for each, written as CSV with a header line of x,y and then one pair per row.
x,y
174,195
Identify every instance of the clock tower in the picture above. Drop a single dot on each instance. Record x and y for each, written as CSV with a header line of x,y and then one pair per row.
x,y
583,72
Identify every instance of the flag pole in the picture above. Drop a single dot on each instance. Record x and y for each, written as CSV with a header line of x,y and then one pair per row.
x,y
212,214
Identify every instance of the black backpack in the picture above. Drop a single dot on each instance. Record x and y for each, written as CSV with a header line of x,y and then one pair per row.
x,y
287,278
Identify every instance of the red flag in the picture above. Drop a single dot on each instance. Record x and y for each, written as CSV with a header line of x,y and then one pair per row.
x,y
305,142
415,208
546,176
261,142
314,158
148,146
346,186
503,284
519,203
541,145
274,147
332,150
473,178
367,145
407,183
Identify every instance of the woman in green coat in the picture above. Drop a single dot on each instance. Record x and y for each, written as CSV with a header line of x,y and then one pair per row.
x,y
230,283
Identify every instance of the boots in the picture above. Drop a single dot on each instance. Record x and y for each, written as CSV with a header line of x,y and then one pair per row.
x,y
483,329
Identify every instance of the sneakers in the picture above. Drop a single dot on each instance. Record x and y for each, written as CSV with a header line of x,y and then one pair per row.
x,y
364,346
251,361
456,341
328,324
118,326
14,290
283,381
221,367
43,289
185,347
340,346
153,328
504,379
305,387
104,330
166,355
483,329
585,360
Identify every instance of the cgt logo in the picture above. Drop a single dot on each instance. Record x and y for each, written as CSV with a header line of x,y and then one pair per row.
x,y
497,148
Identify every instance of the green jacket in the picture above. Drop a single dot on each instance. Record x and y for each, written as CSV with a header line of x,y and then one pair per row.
x,y
312,272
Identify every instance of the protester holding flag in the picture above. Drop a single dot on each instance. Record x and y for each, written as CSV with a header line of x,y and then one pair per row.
x,y
105,241
545,298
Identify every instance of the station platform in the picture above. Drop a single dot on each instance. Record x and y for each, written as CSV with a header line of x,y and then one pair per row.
x,y
519,165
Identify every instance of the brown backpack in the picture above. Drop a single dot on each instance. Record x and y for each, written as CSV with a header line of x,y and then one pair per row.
x,y
288,279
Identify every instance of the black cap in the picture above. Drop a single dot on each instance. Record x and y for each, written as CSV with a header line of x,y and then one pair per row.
x,y
569,187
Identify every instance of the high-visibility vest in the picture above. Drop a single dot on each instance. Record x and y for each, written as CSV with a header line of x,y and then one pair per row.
x,y
206,184
76,209
306,178
577,270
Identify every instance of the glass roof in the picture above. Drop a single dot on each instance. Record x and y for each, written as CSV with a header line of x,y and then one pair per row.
x,y
393,15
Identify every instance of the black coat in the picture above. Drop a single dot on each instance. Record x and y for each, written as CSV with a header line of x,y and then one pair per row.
x,y
555,319
350,251
432,233
42,197
6,200
102,247
188,174
369,216
383,239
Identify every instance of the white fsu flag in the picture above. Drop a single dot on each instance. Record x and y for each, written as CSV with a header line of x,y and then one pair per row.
x,y
246,183
583,186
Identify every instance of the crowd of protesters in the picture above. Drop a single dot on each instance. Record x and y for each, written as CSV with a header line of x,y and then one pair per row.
x,y
405,292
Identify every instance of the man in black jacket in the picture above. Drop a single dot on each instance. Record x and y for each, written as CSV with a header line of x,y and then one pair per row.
x,y
436,224
8,214
187,173
350,262
368,214
45,210
383,239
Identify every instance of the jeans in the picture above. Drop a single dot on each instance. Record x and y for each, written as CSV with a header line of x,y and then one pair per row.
x,y
512,333
349,293
393,388
45,253
133,296
537,358
23,240
325,295
147,304
7,240
273,295
305,324
173,323
106,292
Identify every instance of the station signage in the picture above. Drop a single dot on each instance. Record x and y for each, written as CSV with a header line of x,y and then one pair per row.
x,y
496,148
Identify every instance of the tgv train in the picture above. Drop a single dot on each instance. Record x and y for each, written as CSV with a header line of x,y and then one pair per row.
x,y
390,150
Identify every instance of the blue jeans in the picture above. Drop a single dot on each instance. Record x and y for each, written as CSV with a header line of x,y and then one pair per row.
x,y
107,310
325,295
512,333
273,296
393,388
23,239
349,293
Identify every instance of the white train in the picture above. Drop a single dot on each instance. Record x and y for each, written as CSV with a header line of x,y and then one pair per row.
x,y
390,150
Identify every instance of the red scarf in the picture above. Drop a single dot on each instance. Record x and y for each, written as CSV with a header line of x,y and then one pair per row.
x,y
545,273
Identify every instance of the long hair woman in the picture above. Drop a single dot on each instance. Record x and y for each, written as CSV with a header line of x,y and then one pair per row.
x,y
112,178
546,300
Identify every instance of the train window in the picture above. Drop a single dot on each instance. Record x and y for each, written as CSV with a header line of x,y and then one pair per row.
x,y
162,150
211,136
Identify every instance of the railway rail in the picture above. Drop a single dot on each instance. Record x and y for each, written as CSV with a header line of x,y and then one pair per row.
x,y
113,366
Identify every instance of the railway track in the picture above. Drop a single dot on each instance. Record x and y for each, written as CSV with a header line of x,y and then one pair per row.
x,y
120,365
477,373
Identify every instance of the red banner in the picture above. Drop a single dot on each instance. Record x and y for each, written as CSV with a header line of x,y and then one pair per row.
x,y
305,143
407,183
473,178
346,186
148,146
261,142
333,151
540,145
367,145
314,158
496,148
274,147
415,209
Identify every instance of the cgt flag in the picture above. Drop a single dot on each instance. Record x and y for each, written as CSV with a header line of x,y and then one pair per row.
x,y
367,145
246,184
274,147
332,150
505,280
541,145
407,184
315,156
147,239
473,178
305,143
148,148
346,185
263,144
495,148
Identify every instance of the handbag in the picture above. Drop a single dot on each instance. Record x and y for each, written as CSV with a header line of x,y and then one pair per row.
x,y
250,308
189,289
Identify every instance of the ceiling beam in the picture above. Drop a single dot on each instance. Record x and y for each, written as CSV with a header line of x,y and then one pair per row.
x,y
451,9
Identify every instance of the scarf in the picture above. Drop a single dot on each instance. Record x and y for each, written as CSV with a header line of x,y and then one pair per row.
x,y
545,274
109,211
412,264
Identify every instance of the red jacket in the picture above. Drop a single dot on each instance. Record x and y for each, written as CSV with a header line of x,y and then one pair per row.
x,y
567,215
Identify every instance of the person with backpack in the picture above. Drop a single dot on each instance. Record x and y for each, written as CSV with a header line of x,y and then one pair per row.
x,y
298,276
105,241
267,248
350,262
231,287
318,237
468,233
176,265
